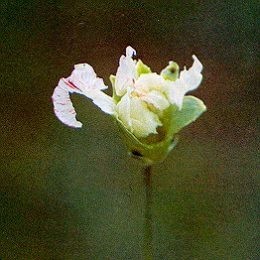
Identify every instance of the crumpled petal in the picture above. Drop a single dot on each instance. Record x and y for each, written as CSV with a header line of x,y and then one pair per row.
x,y
84,81
152,89
84,77
157,99
148,82
136,116
189,80
126,72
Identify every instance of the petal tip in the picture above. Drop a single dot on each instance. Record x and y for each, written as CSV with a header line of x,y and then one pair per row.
x,y
197,64
130,51
77,125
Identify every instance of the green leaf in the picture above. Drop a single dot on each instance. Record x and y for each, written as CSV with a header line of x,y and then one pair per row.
x,y
192,108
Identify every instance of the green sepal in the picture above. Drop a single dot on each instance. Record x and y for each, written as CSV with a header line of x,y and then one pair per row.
x,y
171,72
148,153
155,148
192,108
113,81
141,68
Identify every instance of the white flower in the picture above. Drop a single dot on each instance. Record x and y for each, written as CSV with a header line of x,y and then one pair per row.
x,y
140,96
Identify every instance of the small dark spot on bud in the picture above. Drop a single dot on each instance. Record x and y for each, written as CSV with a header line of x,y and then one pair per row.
x,y
172,70
136,153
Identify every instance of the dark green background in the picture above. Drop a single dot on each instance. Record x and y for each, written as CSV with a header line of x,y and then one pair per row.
x,y
74,194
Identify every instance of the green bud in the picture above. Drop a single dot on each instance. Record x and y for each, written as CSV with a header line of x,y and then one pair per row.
x,y
141,68
171,72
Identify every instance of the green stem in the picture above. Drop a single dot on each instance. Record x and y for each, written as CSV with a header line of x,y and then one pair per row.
x,y
148,225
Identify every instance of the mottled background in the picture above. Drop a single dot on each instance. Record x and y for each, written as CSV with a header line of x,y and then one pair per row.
x,y
74,194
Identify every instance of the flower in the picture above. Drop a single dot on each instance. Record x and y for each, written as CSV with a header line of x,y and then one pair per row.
x,y
149,107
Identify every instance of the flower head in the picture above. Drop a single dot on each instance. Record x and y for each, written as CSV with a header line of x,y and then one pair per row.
x,y
149,107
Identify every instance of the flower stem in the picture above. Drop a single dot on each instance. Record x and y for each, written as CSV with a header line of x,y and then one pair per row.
x,y
148,225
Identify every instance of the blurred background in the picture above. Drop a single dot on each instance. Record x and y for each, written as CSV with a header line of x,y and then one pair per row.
x,y
74,194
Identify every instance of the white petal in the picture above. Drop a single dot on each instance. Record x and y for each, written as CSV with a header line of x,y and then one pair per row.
x,y
157,99
126,72
152,88
176,93
63,107
103,101
136,116
144,122
197,64
123,111
189,80
84,81
148,82
84,77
